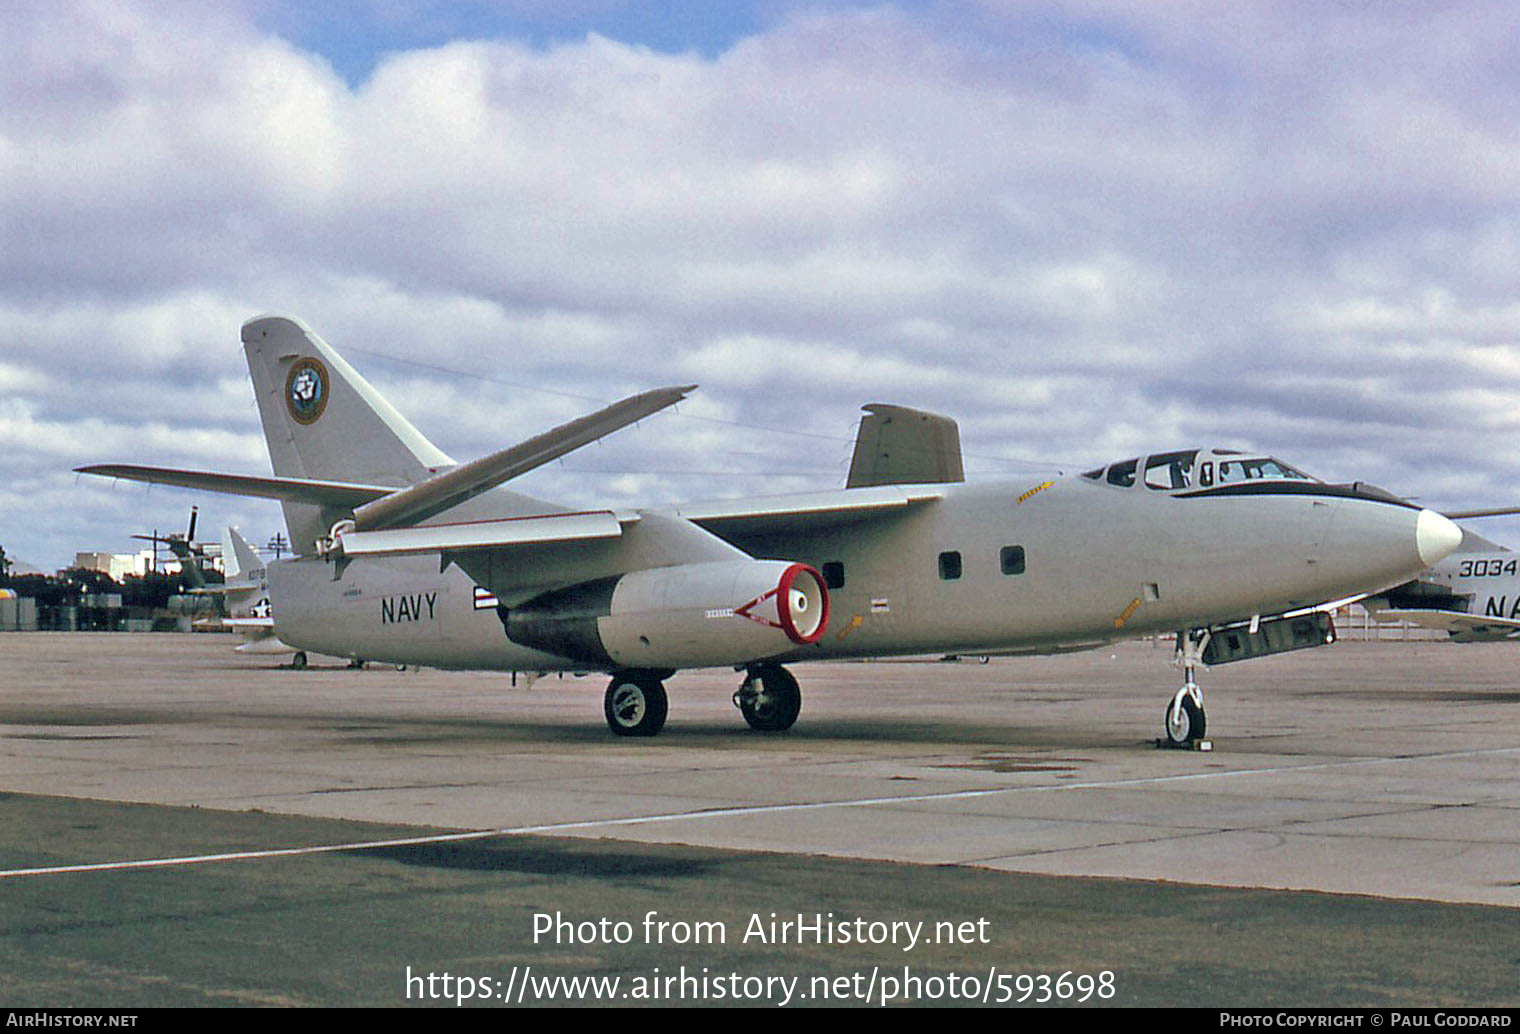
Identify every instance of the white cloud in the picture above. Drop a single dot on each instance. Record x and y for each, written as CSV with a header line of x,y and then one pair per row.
x,y
1084,228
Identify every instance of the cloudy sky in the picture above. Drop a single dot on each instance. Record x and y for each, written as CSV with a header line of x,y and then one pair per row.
x,y
1084,229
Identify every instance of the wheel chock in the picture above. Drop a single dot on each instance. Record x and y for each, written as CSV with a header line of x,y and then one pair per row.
x,y
1201,746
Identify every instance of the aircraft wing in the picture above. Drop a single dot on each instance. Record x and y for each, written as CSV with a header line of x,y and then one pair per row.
x,y
409,506
578,532
1494,511
497,534
378,507
336,494
739,517
1464,626
896,445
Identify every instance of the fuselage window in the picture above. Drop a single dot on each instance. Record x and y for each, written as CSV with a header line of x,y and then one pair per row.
x,y
833,574
950,565
1012,559
1206,474
1122,474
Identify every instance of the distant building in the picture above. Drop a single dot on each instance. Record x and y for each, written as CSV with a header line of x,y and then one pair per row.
x,y
116,565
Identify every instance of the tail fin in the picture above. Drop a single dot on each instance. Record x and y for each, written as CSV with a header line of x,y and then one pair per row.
x,y
238,557
231,562
324,421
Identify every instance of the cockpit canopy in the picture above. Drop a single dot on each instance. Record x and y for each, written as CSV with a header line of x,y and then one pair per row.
x,y
1195,468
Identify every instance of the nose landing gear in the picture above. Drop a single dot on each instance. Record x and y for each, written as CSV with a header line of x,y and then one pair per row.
x,y
1186,722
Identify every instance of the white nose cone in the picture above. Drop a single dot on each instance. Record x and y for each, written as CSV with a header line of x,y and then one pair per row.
x,y
1435,537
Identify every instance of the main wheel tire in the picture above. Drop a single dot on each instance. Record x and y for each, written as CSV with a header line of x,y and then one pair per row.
x,y
1187,725
776,707
635,707
298,662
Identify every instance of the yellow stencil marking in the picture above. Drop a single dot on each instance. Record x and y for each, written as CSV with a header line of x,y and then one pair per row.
x,y
1129,612
855,622
1037,488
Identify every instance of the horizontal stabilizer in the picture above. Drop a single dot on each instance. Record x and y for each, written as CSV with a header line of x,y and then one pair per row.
x,y
245,623
513,531
336,494
440,492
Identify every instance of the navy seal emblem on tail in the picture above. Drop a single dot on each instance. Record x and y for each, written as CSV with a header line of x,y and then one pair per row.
x,y
306,390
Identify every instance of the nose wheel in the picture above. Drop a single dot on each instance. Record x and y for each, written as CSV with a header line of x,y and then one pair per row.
x,y
769,699
1186,722
1185,719
635,706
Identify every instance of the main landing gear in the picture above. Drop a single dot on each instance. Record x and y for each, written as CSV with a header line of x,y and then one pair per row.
x,y
1185,718
636,704
769,698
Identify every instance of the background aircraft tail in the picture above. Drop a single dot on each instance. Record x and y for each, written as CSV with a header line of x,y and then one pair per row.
x,y
322,420
238,557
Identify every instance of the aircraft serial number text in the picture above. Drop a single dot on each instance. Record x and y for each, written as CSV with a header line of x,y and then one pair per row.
x,y
1488,568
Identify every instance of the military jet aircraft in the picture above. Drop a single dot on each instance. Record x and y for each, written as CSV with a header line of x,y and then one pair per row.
x,y
246,595
1473,594
407,557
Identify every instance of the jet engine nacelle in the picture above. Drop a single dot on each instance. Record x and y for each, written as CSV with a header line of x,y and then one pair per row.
x,y
690,616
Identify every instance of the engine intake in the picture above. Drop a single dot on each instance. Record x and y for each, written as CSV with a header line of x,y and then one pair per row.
x,y
689,616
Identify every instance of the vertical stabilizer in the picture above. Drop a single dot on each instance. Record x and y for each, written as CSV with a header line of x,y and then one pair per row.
x,y
324,421
231,562
238,557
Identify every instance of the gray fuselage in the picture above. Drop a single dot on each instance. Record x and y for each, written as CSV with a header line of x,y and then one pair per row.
x,y
1034,566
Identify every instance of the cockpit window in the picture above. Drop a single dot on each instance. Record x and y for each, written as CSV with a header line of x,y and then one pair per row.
x,y
1252,469
1169,470
1204,468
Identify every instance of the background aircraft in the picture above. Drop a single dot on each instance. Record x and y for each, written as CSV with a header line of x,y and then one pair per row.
x,y
185,549
407,557
248,608
1474,594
